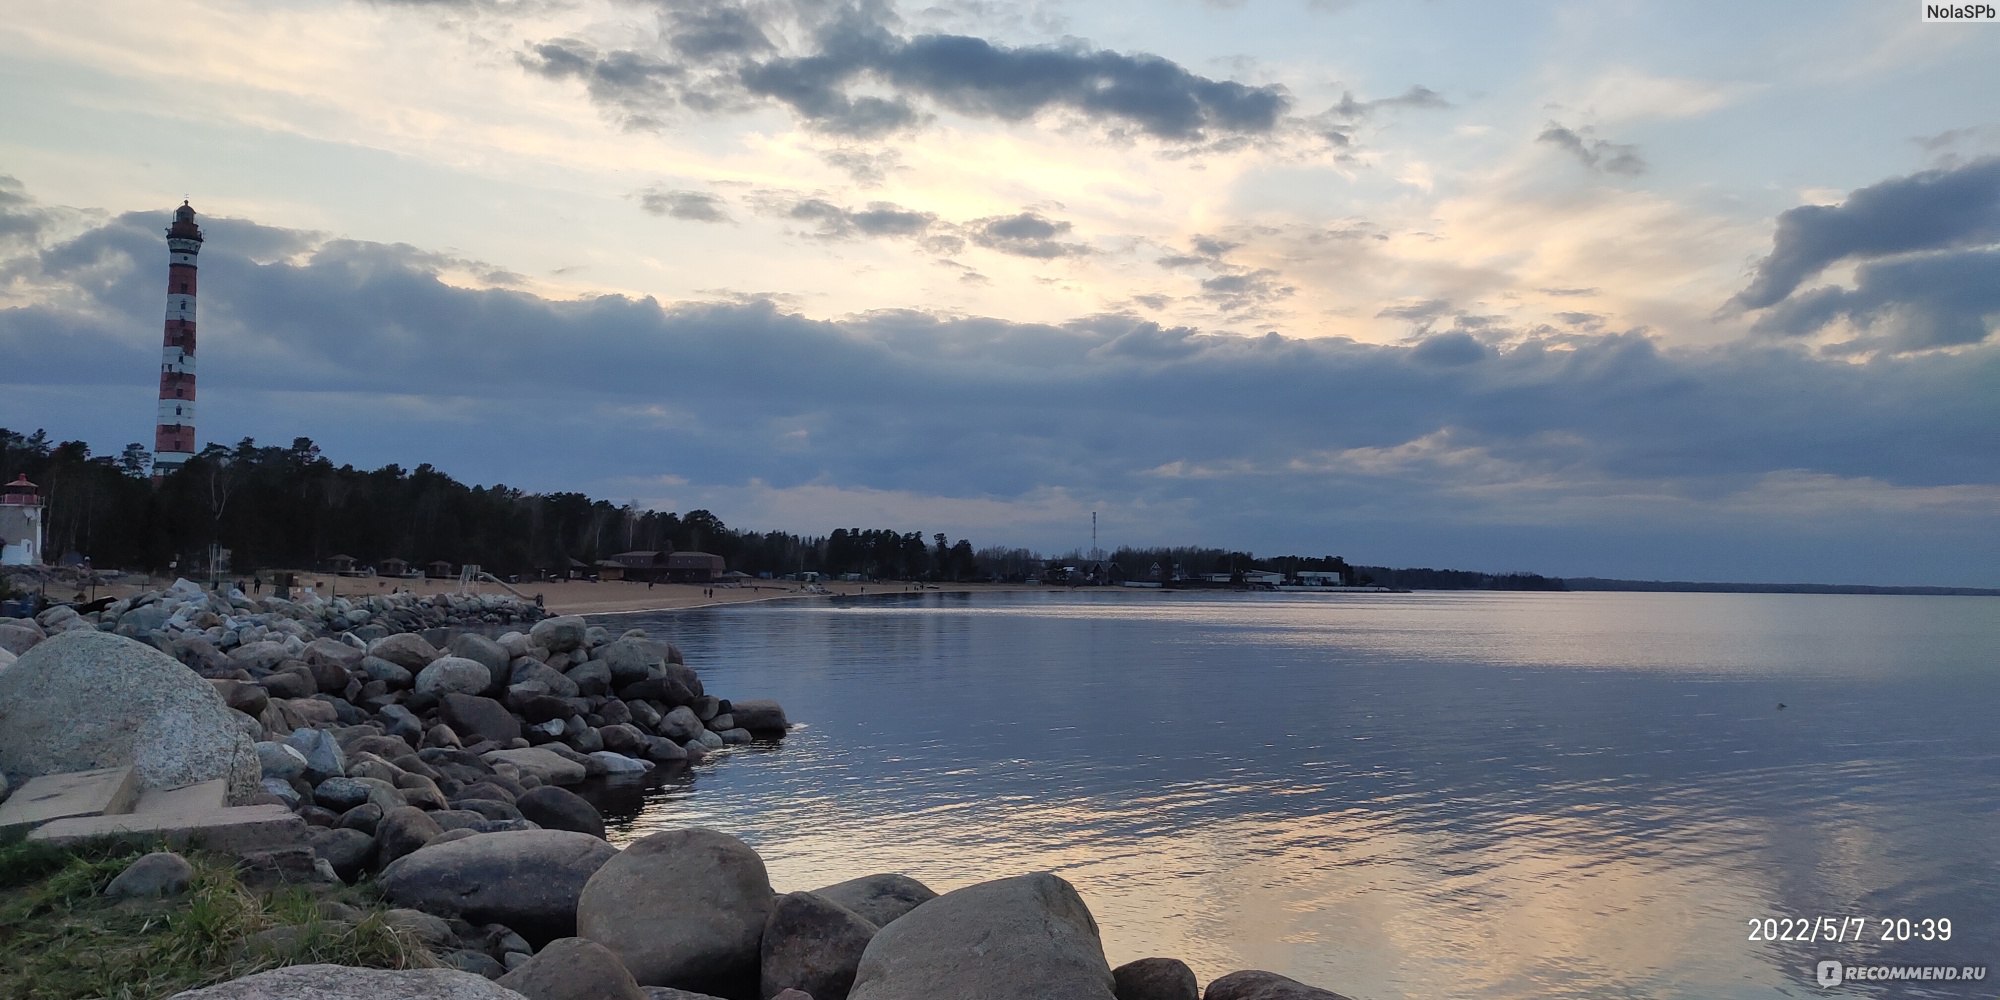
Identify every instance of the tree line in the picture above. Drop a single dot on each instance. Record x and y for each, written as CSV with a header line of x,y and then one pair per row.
x,y
290,507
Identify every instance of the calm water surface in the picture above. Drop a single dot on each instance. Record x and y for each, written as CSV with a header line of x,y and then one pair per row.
x,y
1427,795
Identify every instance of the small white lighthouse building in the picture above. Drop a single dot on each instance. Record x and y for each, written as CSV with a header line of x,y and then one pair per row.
x,y
20,523
173,440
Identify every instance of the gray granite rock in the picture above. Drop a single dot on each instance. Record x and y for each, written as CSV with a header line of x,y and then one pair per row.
x,y
340,982
1021,938
86,699
683,908
161,873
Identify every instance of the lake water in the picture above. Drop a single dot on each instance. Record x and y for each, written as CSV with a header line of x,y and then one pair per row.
x,y
1423,795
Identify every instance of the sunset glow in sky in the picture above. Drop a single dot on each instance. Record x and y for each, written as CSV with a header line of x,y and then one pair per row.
x,y
1696,291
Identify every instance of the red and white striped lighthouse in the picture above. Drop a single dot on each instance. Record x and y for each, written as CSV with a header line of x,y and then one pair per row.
x,y
173,442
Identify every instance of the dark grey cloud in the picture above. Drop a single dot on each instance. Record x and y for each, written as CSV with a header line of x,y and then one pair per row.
x,y
1448,350
640,87
1600,155
1909,303
1203,250
1245,294
693,206
1239,292
1339,124
1569,293
1421,312
723,58
1417,97
868,169
708,31
1931,210
1608,454
1026,234
21,220
1023,234
878,219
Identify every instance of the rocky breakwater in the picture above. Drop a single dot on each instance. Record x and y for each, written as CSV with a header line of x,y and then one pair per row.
x,y
393,745
689,914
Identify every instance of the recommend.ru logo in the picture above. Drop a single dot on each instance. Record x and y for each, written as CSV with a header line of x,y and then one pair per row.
x,y
1831,973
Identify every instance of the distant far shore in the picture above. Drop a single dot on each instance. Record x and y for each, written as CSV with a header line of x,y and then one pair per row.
x,y
1590,583
584,597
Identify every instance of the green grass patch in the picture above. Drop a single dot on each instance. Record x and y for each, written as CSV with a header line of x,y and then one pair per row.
x,y
61,938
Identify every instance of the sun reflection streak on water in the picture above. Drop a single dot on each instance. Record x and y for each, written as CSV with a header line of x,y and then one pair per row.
x,y
1366,803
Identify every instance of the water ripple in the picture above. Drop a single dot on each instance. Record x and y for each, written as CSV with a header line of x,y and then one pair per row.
x,y
1489,796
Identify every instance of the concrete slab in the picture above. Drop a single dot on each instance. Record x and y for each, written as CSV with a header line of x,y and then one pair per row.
x,y
78,793
188,800
235,830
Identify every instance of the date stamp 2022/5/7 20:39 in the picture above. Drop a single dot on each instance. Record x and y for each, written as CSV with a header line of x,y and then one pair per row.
x,y
1826,930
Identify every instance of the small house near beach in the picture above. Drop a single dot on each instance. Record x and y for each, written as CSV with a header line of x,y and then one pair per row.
x,y
639,564
439,570
395,567
694,567
342,564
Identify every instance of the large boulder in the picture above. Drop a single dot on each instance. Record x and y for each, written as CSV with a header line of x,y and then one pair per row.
x,y
404,649
280,761
1254,985
551,767
341,982
573,969
1155,979
559,634
332,663
484,652
680,725
86,699
529,880
812,944
402,831
260,656
1021,938
349,851
529,670
161,873
633,660
761,716
553,808
683,908
475,718
393,676
591,677
878,899
324,757
453,675
17,637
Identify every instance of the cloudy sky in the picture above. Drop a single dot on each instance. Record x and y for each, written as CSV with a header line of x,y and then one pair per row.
x,y
1682,290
